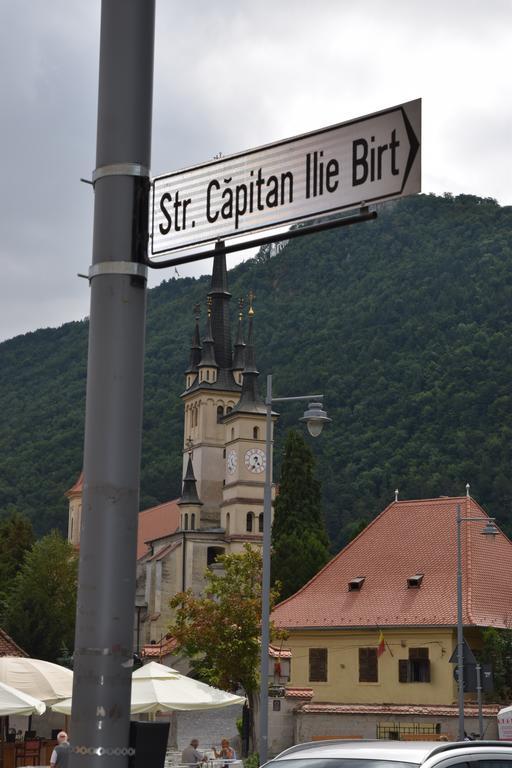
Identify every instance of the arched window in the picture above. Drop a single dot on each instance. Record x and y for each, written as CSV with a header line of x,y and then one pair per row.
x,y
260,522
207,375
186,521
193,521
212,553
229,409
248,522
220,413
228,521
232,433
71,530
256,433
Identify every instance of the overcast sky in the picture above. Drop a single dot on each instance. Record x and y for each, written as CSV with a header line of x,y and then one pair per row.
x,y
230,75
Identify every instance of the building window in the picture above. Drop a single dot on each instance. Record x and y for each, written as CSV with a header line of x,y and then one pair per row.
x,y
318,665
192,522
256,433
415,669
260,522
232,433
220,414
368,665
212,553
248,522
229,409
186,521
228,520
276,705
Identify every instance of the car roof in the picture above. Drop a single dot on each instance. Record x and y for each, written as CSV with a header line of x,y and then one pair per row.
x,y
376,749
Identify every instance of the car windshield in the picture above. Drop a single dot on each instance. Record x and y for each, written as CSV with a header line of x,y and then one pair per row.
x,y
340,762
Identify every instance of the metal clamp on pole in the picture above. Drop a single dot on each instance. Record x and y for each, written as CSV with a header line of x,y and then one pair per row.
x,y
131,268
120,169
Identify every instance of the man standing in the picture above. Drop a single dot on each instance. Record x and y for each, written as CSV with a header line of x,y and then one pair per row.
x,y
191,754
60,754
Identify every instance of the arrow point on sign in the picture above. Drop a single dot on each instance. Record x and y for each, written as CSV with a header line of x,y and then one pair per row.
x,y
414,145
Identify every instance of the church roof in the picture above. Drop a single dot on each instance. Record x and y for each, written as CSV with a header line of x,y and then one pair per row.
x,y
77,488
156,523
410,540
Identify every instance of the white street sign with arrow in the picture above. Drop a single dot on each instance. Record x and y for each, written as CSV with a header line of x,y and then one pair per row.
x,y
369,159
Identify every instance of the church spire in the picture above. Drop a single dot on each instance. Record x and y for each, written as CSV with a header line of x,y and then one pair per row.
x,y
250,400
220,309
195,350
208,349
189,494
239,346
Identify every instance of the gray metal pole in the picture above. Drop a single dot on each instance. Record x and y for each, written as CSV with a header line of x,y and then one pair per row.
x,y
460,632
479,700
113,423
265,589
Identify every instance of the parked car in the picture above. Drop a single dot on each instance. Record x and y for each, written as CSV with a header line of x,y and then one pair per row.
x,y
396,754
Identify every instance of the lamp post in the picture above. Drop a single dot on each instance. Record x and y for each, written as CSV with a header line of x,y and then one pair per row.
x,y
488,530
315,419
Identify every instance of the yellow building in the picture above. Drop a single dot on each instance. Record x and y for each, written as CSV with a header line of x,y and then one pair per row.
x,y
372,634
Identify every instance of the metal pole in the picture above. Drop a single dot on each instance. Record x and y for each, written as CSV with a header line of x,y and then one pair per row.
x,y
479,699
265,588
460,632
113,424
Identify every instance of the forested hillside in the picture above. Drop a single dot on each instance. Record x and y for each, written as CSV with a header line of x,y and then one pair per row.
x,y
405,325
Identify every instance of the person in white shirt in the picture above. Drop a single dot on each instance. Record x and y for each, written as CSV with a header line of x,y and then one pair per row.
x,y
60,754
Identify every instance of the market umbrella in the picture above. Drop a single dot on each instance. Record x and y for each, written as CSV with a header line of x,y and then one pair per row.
x,y
40,679
14,702
157,688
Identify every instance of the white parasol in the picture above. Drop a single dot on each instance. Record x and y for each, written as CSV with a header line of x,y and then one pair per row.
x,y
14,702
40,679
157,688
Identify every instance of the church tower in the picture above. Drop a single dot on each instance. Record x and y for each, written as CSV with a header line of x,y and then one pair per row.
x,y
245,467
211,393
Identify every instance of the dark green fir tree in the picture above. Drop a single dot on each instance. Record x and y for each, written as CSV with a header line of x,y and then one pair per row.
x,y
299,539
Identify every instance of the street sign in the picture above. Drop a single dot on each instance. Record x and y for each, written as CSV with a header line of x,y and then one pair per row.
x,y
468,657
368,159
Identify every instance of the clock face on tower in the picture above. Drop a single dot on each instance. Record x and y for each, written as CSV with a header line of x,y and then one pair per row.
x,y
232,461
255,460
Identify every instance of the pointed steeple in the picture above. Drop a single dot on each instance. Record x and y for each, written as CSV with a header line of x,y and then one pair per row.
x,y
189,493
220,309
239,356
208,348
250,400
195,351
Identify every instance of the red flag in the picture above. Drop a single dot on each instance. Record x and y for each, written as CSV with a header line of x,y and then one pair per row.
x,y
381,646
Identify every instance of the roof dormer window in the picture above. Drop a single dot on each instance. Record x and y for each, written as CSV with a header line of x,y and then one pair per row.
x,y
355,584
414,582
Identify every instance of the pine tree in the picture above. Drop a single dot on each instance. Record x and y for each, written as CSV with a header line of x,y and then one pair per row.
x,y
299,538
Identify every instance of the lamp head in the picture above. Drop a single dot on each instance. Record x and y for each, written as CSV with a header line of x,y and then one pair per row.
x,y
489,529
315,418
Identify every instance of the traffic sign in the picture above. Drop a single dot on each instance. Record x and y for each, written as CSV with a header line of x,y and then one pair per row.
x,y
365,160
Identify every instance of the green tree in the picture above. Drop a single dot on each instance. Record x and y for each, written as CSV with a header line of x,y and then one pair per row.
x,y
16,538
497,650
300,542
41,604
220,632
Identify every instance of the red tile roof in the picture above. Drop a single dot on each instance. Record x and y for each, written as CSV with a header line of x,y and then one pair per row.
x,y
158,650
439,710
299,693
156,523
77,488
408,538
8,647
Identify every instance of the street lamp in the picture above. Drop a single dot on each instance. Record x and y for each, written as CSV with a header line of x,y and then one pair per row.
x,y
315,419
489,530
